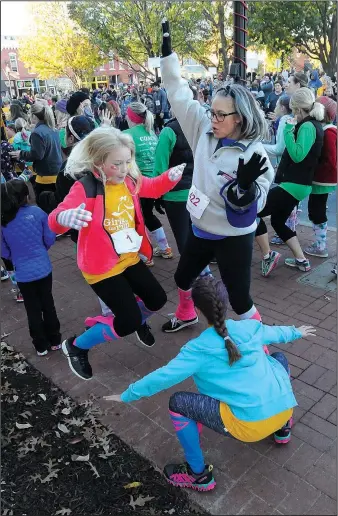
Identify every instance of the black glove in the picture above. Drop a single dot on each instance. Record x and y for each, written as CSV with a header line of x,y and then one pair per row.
x,y
166,42
248,173
159,205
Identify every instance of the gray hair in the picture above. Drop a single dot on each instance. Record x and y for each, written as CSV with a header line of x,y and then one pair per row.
x,y
304,99
141,110
254,126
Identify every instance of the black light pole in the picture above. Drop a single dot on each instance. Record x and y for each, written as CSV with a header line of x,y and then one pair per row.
x,y
240,38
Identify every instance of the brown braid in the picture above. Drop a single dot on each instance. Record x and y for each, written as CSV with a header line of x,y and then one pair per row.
x,y
210,296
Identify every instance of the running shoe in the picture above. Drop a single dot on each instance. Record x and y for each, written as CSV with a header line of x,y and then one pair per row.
x,y
145,336
19,297
149,263
4,274
275,240
55,348
303,265
176,324
269,264
313,250
42,353
181,475
163,254
283,436
77,359
334,270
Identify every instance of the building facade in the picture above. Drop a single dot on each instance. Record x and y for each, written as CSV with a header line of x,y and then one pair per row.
x,y
16,79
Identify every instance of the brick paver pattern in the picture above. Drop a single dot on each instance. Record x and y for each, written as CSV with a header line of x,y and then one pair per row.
x,y
258,478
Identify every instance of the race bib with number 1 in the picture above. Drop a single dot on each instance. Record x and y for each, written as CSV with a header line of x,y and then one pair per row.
x,y
126,241
197,202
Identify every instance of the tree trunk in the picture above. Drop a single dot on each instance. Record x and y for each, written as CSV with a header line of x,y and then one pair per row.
x,y
224,46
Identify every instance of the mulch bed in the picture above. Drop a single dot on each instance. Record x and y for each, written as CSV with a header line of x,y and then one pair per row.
x,y
58,459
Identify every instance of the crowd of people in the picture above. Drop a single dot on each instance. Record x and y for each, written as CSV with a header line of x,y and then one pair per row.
x,y
217,157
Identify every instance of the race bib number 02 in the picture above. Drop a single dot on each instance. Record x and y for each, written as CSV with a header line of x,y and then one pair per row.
x,y
197,202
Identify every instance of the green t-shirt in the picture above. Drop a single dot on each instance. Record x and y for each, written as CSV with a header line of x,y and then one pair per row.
x,y
298,150
299,192
164,149
145,145
321,189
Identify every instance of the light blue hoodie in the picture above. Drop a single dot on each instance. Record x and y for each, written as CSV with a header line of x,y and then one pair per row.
x,y
255,387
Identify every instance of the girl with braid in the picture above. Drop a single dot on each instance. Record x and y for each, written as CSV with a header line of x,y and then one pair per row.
x,y
242,392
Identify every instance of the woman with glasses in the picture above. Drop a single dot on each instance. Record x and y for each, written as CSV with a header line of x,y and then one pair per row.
x,y
230,183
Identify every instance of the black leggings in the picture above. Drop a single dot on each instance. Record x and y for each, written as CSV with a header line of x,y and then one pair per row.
x,y
43,322
179,220
233,256
118,294
151,221
317,208
39,188
279,205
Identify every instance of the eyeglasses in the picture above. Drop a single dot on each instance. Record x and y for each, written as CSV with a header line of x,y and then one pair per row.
x,y
220,117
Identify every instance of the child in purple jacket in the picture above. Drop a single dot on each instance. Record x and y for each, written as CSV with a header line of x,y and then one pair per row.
x,y
25,240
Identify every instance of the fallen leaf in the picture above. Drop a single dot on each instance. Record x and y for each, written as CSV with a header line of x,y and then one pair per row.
x,y
63,512
171,511
22,426
26,414
80,458
76,440
132,484
34,478
57,434
43,396
107,454
15,398
66,411
140,501
94,470
63,428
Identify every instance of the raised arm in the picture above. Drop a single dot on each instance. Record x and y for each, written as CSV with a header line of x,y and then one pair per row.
x,y
189,112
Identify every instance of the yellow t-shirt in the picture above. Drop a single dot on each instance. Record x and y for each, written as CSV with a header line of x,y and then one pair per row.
x,y
252,431
119,214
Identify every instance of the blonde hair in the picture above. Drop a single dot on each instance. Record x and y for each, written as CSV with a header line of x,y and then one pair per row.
x,y
91,152
43,113
304,100
141,110
61,119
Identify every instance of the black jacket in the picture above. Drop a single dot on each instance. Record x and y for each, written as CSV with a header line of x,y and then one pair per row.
x,y
181,153
45,150
50,200
301,173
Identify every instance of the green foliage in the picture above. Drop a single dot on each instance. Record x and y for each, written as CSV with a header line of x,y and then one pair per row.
x,y
310,26
132,28
62,52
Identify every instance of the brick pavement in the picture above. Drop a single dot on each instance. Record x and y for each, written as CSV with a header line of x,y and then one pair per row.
x,y
251,478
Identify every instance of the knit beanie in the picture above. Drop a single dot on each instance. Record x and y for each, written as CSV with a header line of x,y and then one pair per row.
x,y
330,106
61,105
74,102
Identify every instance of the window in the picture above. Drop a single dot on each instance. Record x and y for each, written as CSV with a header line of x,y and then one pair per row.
x,y
13,62
112,65
121,65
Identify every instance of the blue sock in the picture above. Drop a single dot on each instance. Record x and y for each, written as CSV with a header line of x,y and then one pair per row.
x,y
144,310
95,335
188,435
